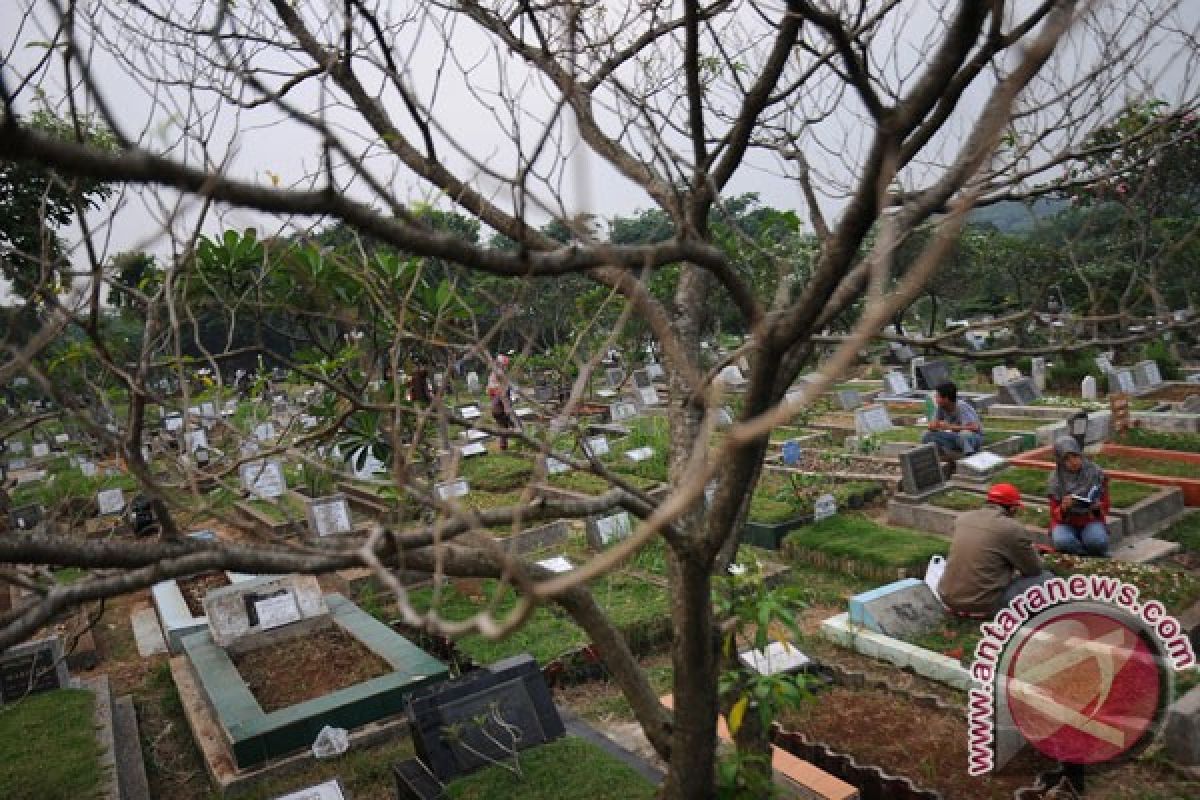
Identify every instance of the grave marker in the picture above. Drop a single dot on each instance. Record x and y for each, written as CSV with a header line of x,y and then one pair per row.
x,y
932,374
263,478
1020,392
1191,404
872,419
473,449
276,611
32,667
448,490
731,376
1125,382
825,507
110,501
849,399
264,431
921,470
982,464
329,790
902,609
1037,371
195,440
1146,374
999,375
724,417
598,445
1103,364
475,435
17,447
470,412
1087,388
896,384
329,516
791,452
557,564
604,531
615,377
40,450
556,467
619,412
238,613
639,454
473,383
777,658
61,438
88,469
655,371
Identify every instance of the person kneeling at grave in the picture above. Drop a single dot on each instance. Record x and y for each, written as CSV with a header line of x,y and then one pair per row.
x,y
955,429
1078,491
991,559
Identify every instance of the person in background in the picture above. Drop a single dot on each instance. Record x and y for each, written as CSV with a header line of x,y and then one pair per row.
x,y
991,559
497,389
955,429
1079,502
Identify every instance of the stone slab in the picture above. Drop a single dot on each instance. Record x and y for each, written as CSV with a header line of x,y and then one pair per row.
x,y
925,663
233,611
1181,736
147,633
103,720
903,608
1145,551
131,768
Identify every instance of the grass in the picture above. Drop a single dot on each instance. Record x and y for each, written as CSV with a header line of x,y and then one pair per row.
x,y
587,483
1157,440
1148,465
1186,531
70,483
1030,481
856,537
1174,588
779,498
959,500
1015,424
567,769
286,508
955,637
913,434
498,472
48,747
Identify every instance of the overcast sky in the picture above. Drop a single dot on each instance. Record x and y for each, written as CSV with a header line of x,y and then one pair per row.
x,y
262,145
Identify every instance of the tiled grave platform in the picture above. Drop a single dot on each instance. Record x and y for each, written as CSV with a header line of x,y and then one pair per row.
x,y
252,736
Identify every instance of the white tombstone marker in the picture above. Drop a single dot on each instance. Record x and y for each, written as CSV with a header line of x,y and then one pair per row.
x,y
655,371
194,440
556,467
1087,388
41,450
110,501
872,419
557,564
1125,383
1014,374
614,528
264,431
1038,372
731,376
896,384
639,454
173,423
263,478
825,507
598,445
88,469
648,396
329,790
999,375
470,412
473,385
61,438
448,490
774,659
277,611
331,516
619,412
17,447
473,449
475,435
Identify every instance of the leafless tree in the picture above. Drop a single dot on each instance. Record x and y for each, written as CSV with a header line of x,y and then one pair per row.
x,y
880,117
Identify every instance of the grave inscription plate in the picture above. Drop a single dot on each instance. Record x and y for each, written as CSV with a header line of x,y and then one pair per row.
x,y
329,516
32,667
1020,392
263,478
604,531
932,374
921,470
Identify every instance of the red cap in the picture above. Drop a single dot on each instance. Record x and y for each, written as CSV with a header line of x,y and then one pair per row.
x,y
1004,494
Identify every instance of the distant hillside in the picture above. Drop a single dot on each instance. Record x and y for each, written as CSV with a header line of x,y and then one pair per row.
x,y
1013,217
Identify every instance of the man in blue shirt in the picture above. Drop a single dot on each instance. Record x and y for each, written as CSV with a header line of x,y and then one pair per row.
x,y
956,428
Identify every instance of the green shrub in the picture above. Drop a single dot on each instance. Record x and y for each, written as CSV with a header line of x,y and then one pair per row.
x,y
1070,369
1168,366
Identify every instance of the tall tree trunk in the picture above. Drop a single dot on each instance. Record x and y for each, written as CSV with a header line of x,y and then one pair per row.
x,y
690,774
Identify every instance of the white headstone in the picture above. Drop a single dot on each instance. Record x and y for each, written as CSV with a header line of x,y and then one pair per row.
x,y
1014,374
619,412
1104,364
774,659
473,449
263,478
896,384
916,361
88,469
40,450
17,447
329,790
173,422
655,371
639,453
277,611
330,516
1087,388
475,435
110,501
825,507
872,419
264,431
999,375
648,396
194,440
613,528
448,490
470,412
557,564
1037,371
1125,384
731,376
473,382
556,467
61,438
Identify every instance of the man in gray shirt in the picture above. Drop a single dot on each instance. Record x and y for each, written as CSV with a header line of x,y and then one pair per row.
x,y
956,428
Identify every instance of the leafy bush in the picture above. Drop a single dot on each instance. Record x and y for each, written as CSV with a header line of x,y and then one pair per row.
x,y
1168,365
1070,369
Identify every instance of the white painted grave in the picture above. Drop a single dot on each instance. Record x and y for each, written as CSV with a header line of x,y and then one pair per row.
x,y
619,412
872,419
473,449
598,445
264,431
448,490
775,659
1087,388
110,501
40,450
470,412
556,467
732,376
639,454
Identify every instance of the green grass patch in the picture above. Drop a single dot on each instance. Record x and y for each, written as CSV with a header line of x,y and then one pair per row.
x,y
1148,465
70,484
1030,481
959,500
782,497
48,747
286,508
588,483
1186,531
498,472
856,537
567,769
913,434
954,637
1159,440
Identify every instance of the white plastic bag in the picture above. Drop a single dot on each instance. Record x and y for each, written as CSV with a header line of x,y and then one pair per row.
x,y
331,742
933,574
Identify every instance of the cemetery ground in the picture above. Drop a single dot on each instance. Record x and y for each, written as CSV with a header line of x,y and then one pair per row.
x,y
881,715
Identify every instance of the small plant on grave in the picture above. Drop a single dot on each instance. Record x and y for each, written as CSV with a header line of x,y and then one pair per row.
x,y
491,725
869,445
750,611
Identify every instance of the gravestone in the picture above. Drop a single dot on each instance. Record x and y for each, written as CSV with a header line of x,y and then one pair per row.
x,y
982,464
40,450
264,431
777,658
791,452
598,445
849,399
473,449
88,469
641,379
173,423
724,417
1037,371
448,490
470,412
901,610
556,467
25,518
474,435
896,385
1104,365
329,790
240,613
1125,382
110,502
921,470
556,564
615,377
999,375
605,531
1146,374
825,507
329,516
194,440
731,376
655,371
648,396
480,719
1153,374
872,419
1019,392
619,412
1087,388
61,438
933,374
473,385
32,667
263,478
17,447
639,454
